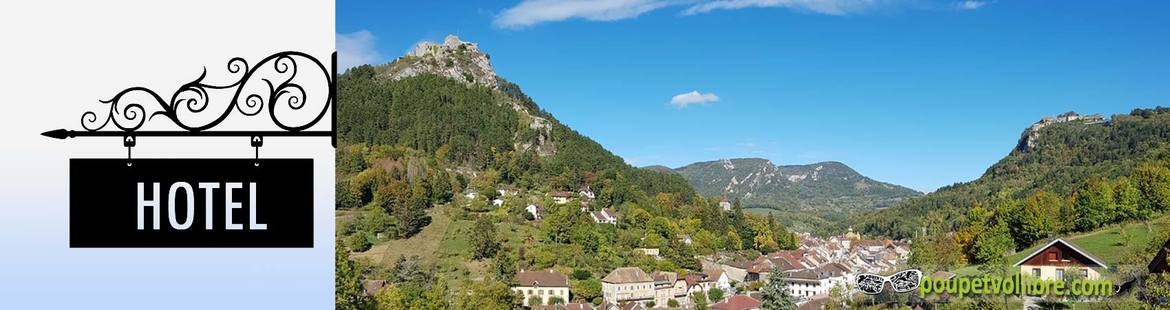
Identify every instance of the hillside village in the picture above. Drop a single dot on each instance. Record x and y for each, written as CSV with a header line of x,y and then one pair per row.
x,y
811,272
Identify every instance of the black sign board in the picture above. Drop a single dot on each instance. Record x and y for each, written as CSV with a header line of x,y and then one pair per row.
x,y
184,203
195,203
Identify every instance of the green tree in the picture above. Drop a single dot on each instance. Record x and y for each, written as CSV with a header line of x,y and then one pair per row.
x,y
774,294
488,294
435,297
733,241
555,300
503,266
359,242
700,301
406,208
392,297
586,290
1035,218
409,270
347,197
535,300
375,220
557,225
1153,182
580,274
838,296
348,293
1129,199
991,245
484,243
1095,205
715,294
672,303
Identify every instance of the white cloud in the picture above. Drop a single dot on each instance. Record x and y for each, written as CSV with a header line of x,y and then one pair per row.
x,y
693,97
355,49
971,5
829,7
532,12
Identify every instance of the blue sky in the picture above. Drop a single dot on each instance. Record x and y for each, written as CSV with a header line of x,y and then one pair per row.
x,y
917,93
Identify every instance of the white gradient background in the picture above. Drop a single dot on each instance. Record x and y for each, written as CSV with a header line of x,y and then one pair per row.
x,y
57,60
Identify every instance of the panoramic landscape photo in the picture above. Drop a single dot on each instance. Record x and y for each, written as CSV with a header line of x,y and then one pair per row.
x,y
821,154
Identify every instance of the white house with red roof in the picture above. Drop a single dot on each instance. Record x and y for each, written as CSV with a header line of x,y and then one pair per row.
x,y
604,216
1060,259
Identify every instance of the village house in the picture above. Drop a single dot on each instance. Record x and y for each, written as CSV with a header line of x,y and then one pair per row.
x,y
604,216
507,191
470,193
695,284
587,193
1059,259
668,286
568,306
738,302
808,283
371,287
561,197
716,278
724,204
498,202
536,211
629,305
652,252
627,284
542,284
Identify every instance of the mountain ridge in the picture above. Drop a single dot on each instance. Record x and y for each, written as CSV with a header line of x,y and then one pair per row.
x,y
761,172
1055,155
825,192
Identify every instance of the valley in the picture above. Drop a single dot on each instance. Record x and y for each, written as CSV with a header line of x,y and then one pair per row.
x,y
454,188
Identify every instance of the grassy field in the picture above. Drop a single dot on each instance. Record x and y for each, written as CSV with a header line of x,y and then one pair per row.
x,y
1106,243
423,244
445,242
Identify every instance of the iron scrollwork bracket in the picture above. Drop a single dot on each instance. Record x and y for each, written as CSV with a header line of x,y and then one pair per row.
x,y
272,84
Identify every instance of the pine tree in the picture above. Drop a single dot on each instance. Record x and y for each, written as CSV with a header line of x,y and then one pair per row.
x,y
774,295
483,239
348,293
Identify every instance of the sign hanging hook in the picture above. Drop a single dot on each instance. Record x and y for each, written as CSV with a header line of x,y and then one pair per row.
x,y
129,142
257,142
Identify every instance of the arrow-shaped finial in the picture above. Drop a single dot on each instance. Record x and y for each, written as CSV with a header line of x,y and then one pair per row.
x,y
56,134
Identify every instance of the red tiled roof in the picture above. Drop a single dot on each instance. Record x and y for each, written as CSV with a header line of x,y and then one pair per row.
x,y
547,278
572,306
713,274
737,302
627,275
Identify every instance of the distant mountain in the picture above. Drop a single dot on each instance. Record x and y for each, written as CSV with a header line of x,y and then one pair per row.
x,y
759,182
659,168
831,190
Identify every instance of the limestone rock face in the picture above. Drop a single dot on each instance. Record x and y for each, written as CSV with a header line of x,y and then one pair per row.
x,y
464,62
454,58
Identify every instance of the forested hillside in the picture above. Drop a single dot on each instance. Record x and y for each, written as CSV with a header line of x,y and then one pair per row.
x,y
1065,177
445,182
